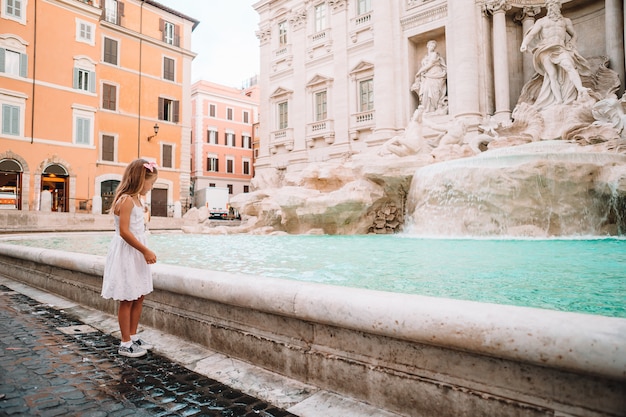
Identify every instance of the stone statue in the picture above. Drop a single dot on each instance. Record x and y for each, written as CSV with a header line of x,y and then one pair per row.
x,y
555,58
430,80
411,142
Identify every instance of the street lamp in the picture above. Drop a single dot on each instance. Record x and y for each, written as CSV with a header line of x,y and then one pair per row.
x,y
156,131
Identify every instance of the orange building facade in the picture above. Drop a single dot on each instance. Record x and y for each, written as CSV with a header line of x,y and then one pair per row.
x,y
223,120
86,86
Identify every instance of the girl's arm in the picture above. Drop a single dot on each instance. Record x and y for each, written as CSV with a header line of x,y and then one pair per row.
x,y
125,208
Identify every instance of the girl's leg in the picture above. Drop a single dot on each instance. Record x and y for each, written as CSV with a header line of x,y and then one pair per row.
x,y
124,319
135,314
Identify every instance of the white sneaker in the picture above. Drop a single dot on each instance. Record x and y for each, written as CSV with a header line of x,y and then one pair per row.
x,y
143,344
134,351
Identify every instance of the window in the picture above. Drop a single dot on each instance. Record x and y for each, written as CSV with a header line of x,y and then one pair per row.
x,y
167,151
230,165
109,97
10,120
246,167
366,95
84,80
168,110
113,10
110,51
230,188
13,9
14,63
246,117
212,136
229,114
108,148
230,139
282,33
246,142
84,32
320,106
212,164
283,115
364,6
320,17
170,32
211,110
168,68
83,131
246,188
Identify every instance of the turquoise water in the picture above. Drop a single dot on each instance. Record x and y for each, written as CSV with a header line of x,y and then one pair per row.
x,y
577,275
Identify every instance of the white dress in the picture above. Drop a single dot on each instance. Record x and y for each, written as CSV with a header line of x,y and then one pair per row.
x,y
127,275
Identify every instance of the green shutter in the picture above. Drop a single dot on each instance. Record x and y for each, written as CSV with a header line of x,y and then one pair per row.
x,y
92,81
23,65
2,52
75,77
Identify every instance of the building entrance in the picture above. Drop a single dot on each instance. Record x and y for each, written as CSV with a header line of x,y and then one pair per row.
x,y
10,185
56,180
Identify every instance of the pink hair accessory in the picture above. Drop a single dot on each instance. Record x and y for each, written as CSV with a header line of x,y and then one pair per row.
x,y
150,166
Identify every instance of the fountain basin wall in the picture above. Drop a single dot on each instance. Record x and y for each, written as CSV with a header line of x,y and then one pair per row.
x,y
415,355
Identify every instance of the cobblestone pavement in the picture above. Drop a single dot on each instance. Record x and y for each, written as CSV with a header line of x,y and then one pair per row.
x,y
52,364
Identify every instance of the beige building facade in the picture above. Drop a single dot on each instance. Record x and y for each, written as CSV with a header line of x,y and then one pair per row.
x,y
337,75
86,86
223,120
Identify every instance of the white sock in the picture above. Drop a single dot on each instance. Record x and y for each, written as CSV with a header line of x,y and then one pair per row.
x,y
134,337
126,344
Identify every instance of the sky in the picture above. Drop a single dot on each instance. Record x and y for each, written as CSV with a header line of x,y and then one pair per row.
x,y
225,40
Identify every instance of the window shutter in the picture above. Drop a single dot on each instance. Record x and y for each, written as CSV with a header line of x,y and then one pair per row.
x,y
120,11
23,65
103,15
167,156
217,165
176,108
161,108
2,52
108,148
75,77
92,81
177,35
162,29
15,120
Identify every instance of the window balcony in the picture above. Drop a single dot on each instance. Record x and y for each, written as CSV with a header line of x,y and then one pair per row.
x,y
363,120
361,27
282,137
323,129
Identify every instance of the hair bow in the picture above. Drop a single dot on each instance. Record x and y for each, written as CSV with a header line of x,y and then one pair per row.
x,y
150,166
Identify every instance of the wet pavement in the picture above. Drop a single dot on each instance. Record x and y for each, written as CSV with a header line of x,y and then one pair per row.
x,y
52,364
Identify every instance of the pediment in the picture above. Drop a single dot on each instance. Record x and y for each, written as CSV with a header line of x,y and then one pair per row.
x,y
318,79
362,66
281,91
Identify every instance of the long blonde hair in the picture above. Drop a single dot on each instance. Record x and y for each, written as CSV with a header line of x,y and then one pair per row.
x,y
134,178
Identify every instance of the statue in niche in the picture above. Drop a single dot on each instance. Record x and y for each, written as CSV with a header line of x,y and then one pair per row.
x,y
430,81
552,40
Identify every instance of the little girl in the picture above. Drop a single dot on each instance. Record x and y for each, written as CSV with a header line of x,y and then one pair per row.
x,y
127,276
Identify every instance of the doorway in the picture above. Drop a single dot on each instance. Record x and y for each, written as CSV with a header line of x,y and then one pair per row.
x,y
10,185
107,192
56,180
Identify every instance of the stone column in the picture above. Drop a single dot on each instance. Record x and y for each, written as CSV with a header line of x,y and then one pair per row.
x,y
498,10
614,26
462,53
385,69
527,17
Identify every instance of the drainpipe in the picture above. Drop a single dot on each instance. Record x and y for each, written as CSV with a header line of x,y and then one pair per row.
x,y
139,93
32,110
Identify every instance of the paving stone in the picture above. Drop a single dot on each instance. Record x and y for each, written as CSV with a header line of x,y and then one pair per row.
x,y
52,364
